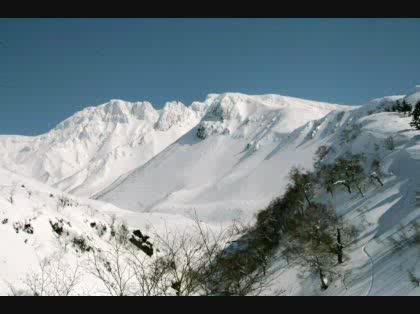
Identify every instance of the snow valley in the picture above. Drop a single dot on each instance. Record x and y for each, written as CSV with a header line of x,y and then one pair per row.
x,y
249,176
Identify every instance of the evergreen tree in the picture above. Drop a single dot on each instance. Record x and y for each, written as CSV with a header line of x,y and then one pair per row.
x,y
201,132
415,123
397,107
406,108
403,107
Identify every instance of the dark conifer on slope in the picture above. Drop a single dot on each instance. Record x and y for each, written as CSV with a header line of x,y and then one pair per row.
x,y
415,123
403,107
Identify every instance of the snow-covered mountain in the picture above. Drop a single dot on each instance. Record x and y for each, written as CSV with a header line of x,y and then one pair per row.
x,y
386,250
230,164
89,150
40,224
234,162
224,158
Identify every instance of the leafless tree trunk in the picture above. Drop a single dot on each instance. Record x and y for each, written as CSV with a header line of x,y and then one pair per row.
x,y
339,247
54,278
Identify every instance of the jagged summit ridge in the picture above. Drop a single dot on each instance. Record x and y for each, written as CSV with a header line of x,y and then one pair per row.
x,y
98,143
175,113
91,149
237,114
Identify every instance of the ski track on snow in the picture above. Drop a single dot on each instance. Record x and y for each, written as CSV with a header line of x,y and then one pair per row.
x,y
372,269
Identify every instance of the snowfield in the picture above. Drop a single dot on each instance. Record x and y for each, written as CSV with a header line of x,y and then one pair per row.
x,y
381,258
89,150
236,169
225,159
31,215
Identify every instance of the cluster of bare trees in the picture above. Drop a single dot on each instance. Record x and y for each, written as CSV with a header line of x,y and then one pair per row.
x,y
230,261
309,233
198,262
201,261
316,240
405,237
346,171
54,277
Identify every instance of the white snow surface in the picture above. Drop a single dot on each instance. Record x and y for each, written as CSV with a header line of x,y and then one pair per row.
x,y
151,163
237,168
88,151
36,205
243,163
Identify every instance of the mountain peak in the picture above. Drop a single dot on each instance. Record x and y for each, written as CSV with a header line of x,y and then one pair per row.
x,y
139,110
229,112
90,149
173,113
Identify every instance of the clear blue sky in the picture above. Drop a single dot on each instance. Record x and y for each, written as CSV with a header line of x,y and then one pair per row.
x,y
51,68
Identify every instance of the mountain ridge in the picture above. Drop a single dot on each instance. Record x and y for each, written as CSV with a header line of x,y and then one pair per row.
x,y
91,149
228,171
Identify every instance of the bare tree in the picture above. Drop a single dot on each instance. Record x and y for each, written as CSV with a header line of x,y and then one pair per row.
x,y
125,270
375,172
389,143
11,197
405,236
63,278
111,266
150,275
190,256
304,183
198,262
316,239
414,279
235,262
55,277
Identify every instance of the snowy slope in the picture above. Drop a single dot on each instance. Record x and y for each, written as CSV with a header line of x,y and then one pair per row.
x,y
231,156
227,166
377,266
89,150
242,163
28,209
